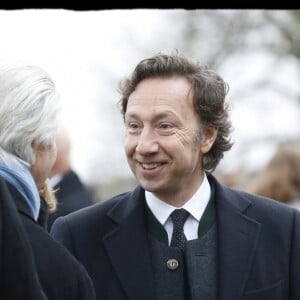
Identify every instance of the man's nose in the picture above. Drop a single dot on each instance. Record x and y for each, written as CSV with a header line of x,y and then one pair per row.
x,y
147,142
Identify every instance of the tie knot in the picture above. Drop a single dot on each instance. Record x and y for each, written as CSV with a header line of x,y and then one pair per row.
x,y
179,216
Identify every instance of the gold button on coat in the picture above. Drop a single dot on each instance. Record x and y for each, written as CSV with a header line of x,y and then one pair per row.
x,y
172,264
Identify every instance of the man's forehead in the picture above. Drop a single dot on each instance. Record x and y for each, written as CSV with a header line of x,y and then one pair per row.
x,y
146,98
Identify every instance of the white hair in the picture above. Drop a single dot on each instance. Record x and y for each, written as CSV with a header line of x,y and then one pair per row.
x,y
29,106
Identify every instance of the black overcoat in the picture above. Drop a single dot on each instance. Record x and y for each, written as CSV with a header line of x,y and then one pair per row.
x,y
18,273
61,276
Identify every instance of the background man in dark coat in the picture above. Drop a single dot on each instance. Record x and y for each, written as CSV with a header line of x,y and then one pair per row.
x,y
70,191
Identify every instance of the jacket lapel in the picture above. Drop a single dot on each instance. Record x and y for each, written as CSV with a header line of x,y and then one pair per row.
x,y
237,240
128,249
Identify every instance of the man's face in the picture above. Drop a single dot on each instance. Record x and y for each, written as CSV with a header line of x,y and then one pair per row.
x,y
162,142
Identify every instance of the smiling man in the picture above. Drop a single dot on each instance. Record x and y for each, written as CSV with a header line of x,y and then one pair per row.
x,y
180,234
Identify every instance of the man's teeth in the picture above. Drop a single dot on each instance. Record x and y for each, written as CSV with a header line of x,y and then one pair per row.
x,y
150,166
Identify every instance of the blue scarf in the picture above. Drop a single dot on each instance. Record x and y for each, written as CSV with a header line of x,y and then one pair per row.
x,y
16,172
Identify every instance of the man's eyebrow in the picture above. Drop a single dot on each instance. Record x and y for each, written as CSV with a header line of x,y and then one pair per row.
x,y
159,115
132,115
164,114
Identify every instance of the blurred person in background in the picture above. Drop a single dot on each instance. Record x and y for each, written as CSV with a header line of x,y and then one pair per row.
x,y
181,234
279,179
70,192
29,117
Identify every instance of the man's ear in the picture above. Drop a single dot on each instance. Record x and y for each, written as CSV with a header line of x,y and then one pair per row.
x,y
34,145
208,138
38,146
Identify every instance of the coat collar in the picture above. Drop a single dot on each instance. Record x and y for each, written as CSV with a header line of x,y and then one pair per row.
x,y
24,210
20,202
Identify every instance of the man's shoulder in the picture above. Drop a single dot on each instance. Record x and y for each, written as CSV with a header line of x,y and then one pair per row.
x,y
245,199
261,202
90,222
96,210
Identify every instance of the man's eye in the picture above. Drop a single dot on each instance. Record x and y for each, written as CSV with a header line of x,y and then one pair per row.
x,y
132,125
165,126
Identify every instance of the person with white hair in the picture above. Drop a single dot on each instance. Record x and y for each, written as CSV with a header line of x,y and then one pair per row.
x,y
29,120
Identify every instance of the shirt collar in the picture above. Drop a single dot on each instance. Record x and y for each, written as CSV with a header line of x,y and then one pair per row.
x,y
195,205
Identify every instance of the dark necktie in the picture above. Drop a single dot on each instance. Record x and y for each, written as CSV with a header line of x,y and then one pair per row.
x,y
178,217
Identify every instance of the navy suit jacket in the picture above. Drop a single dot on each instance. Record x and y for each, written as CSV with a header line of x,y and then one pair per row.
x,y
258,246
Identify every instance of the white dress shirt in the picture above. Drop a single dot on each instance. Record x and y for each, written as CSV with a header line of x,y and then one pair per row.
x,y
195,206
